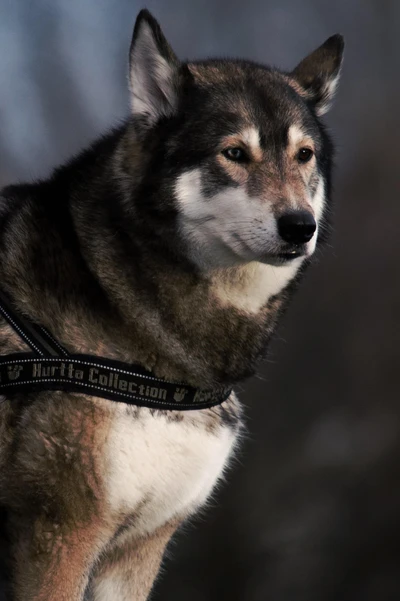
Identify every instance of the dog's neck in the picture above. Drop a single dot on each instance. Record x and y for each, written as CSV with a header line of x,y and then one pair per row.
x,y
75,273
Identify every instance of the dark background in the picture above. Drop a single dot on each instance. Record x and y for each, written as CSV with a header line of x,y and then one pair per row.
x,y
310,509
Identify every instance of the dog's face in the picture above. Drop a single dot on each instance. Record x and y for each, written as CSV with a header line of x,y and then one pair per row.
x,y
242,152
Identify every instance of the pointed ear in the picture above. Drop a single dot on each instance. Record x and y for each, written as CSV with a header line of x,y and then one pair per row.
x,y
319,72
153,71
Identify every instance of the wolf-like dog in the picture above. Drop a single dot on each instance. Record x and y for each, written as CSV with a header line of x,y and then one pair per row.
x,y
174,242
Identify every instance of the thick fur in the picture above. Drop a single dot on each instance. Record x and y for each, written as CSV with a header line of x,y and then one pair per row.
x,y
152,247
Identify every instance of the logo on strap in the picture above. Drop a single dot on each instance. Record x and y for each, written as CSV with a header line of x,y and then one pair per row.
x,y
13,372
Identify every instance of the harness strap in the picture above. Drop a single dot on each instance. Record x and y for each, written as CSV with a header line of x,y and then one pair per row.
x,y
51,367
36,336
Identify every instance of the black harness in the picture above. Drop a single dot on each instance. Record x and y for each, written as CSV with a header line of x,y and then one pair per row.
x,y
50,367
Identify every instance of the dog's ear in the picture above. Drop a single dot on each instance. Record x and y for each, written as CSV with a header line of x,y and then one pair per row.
x,y
319,72
154,71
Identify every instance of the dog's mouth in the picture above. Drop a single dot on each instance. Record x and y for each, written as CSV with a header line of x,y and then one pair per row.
x,y
289,256
285,256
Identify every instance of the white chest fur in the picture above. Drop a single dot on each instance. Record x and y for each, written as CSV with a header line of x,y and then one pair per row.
x,y
164,468
249,287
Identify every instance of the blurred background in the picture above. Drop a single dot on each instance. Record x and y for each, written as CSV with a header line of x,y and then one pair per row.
x,y
310,509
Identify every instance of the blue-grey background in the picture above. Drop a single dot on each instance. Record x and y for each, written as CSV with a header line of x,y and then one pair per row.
x,y
311,508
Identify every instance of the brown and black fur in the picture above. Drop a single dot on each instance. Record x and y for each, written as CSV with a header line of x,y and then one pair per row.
x,y
93,255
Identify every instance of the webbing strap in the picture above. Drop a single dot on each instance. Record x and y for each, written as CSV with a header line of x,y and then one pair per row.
x,y
51,367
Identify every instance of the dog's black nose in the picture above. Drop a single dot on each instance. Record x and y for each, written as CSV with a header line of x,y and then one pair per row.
x,y
297,227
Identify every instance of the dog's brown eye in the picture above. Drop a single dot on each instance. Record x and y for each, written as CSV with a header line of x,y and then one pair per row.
x,y
304,155
235,154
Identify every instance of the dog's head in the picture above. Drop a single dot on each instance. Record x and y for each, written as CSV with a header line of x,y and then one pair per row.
x,y
241,158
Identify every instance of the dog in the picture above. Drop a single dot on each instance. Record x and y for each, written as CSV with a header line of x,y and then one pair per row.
x,y
174,243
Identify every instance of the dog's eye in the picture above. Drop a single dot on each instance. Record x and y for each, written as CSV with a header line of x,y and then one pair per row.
x,y
304,155
235,154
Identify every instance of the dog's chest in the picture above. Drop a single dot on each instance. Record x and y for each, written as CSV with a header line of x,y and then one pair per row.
x,y
160,469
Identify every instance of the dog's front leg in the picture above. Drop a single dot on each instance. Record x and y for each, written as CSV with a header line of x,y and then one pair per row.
x,y
128,569
52,562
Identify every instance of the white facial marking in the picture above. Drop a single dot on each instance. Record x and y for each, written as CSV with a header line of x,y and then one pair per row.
x,y
296,135
251,137
318,201
188,190
227,229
